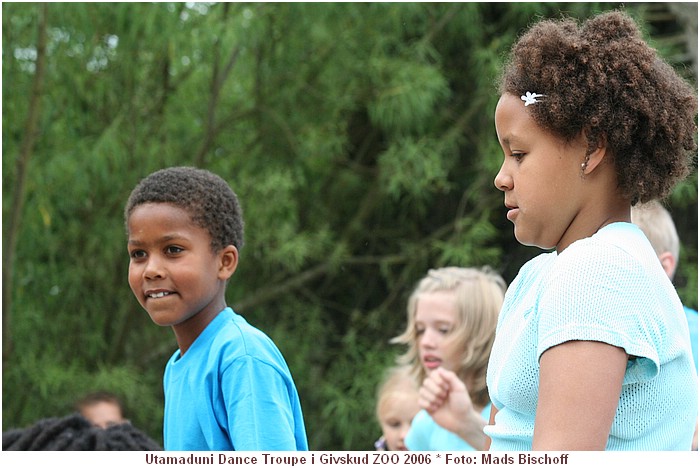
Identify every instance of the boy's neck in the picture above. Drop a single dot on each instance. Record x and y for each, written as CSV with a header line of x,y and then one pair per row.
x,y
188,331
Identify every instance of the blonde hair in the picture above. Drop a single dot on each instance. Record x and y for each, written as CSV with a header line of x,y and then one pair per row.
x,y
657,224
397,379
478,298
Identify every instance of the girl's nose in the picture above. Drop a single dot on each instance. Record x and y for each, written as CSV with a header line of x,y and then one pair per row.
x,y
427,340
503,180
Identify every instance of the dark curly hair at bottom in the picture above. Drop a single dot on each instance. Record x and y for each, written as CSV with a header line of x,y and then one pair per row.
x,y
74,432
601,77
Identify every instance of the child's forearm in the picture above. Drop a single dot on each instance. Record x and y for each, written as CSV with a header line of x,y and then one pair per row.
x,y
472,431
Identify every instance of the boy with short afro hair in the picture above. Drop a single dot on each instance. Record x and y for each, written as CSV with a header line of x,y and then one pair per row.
x,y
228,386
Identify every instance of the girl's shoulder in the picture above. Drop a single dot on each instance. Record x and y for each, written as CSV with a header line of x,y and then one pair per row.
x,y
535,268
617,245
527,284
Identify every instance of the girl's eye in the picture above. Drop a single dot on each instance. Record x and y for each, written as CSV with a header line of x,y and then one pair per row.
x,y
172,250
518,156
445,331
419,331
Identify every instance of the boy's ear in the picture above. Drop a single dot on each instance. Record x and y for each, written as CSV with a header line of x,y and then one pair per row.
x,y
668,261
228,258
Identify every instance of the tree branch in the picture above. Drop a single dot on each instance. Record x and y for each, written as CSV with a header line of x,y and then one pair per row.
x,y
218,80
18,194
272,292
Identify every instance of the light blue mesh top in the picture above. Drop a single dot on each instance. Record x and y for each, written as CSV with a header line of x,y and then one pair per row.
x,y
609,288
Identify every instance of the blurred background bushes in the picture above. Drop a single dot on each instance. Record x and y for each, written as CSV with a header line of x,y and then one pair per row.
x,y
358,136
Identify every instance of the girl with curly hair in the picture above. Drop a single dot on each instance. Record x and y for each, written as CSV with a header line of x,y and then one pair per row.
x,y
592,349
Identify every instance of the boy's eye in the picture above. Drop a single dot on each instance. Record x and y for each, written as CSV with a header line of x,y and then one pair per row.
x,y
518,156
137,254
172,250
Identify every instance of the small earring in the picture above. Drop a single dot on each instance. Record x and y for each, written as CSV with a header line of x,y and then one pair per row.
x,y
584,164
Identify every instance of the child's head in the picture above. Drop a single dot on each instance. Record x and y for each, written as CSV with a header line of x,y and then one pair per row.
x,y
207,198
397,404
601,78
103,409
184,229
74,432
451,323
657,224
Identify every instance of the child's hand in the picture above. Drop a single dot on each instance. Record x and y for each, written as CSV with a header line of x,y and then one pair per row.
x,y
444,396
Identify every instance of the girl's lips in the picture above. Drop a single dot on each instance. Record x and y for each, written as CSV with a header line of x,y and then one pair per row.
x,y
512,214
431,362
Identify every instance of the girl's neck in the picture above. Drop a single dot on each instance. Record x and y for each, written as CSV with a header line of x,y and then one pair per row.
x,y
597,214
469,382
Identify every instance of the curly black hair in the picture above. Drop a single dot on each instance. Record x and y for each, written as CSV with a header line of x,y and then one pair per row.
x,y
74,432
204,195
600,76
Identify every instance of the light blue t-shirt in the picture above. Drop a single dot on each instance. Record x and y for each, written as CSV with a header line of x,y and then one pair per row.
x,y
425,434
608,288
231,390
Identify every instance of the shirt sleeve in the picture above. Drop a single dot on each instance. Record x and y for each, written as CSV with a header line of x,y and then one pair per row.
x,y
597,293
258,407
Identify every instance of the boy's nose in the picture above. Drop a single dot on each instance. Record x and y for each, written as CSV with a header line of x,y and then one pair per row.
x,y
153,269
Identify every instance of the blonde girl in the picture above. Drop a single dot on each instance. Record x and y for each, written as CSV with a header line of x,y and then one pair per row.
x,y
451,321
397,404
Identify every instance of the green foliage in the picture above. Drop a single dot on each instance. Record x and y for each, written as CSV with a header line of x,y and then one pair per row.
x,y
406,94
683,205
358,136
415,169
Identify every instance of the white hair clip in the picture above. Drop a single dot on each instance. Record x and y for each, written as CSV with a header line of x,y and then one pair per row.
x,y
531,98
